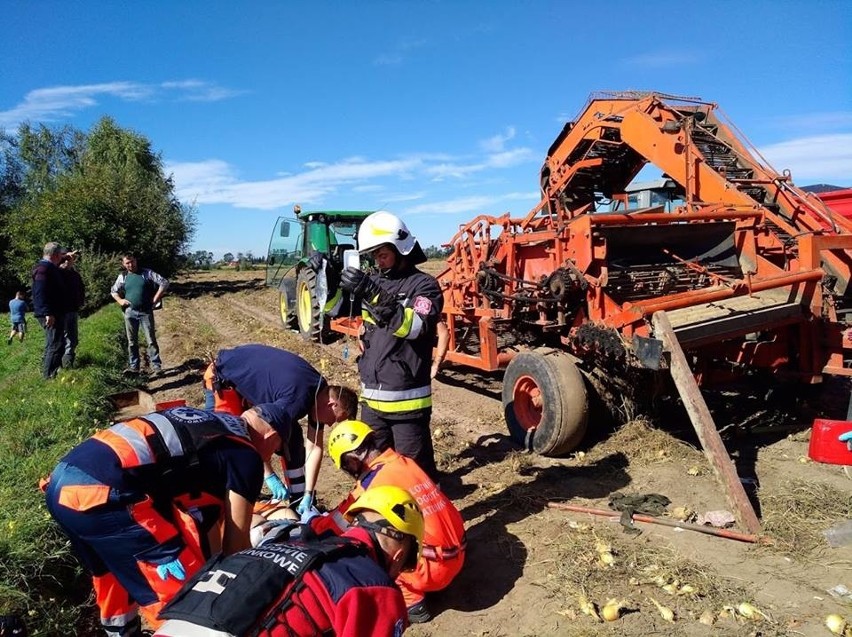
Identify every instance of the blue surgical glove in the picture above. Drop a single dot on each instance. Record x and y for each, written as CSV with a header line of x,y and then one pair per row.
x,y
309,515
277,487
306,503
845,437
173,568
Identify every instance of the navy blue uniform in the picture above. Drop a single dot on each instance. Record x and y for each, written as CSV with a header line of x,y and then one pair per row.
x,y
282,385
395,367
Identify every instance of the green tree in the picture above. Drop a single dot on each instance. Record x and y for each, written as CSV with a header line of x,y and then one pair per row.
x,y
227,257
11,193
104,192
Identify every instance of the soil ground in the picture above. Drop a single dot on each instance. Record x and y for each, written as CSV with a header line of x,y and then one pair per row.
x,y
526,563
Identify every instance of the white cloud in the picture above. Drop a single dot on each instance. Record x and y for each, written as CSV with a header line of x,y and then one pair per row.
x,y
497,143
472,205
505,159
58,102
413,196
375,182
397,56
819,158
215,182
368,188
388,59
816,122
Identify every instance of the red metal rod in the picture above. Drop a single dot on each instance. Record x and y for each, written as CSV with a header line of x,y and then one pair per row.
x,y
686,526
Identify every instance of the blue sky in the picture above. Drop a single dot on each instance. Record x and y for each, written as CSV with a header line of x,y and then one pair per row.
x,y
435,110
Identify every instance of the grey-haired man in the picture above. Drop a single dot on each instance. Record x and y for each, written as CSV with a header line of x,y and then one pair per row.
x,y
49,307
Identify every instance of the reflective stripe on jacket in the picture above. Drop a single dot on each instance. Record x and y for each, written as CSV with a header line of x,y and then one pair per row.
x,y
396,362
159,437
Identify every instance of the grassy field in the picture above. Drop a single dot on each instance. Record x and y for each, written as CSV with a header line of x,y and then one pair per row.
x,y
39,422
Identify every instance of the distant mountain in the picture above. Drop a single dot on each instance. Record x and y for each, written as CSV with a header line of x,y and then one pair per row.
x,y
818,188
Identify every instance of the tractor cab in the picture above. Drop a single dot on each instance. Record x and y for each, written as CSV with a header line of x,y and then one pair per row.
x,y
294,239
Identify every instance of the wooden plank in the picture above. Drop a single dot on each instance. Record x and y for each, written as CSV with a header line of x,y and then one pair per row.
x,y
721,463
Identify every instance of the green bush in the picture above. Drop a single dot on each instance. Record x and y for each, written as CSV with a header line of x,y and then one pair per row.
x,y
98,271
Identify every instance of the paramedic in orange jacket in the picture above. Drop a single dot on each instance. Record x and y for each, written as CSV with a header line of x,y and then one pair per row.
x,y
141,503
352,447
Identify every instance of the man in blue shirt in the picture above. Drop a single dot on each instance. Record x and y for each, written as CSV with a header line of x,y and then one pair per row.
x,y
17,310
284,388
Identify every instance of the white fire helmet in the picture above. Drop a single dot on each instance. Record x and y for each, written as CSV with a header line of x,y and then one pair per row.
x,y
382,228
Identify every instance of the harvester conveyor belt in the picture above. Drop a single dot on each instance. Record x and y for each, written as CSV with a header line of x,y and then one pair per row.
x,y
718,320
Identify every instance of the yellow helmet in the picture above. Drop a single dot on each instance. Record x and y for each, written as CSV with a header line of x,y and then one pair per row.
x,y
345,437
395,505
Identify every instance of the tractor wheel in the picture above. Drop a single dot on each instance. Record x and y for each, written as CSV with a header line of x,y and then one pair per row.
x,y
287,306
545,402
308,312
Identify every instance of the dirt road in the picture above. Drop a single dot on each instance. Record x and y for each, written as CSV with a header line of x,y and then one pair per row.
x,y
527,564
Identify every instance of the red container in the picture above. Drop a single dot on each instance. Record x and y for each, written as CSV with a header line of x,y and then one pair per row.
x,y
825,447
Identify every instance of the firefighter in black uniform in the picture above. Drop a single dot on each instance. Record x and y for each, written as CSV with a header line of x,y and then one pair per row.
x,y
401,307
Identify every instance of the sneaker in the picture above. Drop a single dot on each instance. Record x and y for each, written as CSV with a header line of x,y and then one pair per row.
x,y
419,614
9,341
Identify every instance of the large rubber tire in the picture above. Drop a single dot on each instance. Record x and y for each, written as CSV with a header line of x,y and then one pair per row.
x,y
310,319
545,402
287,306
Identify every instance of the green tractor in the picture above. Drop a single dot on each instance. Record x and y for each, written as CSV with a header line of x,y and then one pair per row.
x,y
293,241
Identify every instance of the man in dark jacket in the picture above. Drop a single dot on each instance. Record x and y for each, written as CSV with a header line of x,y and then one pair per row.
x,y
49,307
75,296
400,307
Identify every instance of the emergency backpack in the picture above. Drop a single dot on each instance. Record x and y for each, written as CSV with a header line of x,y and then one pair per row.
x,y
238,594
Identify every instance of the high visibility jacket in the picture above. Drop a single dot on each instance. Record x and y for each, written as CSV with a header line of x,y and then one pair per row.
x,y
347,594
147,491
172,435
396,362
443,525
157,454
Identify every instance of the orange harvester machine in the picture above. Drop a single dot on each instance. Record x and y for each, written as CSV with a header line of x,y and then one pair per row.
x,y
751,271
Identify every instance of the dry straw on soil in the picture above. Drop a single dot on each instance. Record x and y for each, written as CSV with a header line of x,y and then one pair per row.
x,y
641,570
643,443
796,513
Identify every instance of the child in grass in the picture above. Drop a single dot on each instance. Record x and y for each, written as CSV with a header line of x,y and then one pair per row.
x,y
17,310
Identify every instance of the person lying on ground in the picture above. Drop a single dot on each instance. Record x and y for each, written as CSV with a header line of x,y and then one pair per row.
x,y
336,586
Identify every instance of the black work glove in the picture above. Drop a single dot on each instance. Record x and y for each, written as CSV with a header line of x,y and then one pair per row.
x,y
315,262
382,304
356,282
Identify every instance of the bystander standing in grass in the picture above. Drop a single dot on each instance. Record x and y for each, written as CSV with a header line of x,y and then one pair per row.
x,y
75,296
138,291
17,315
49,307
